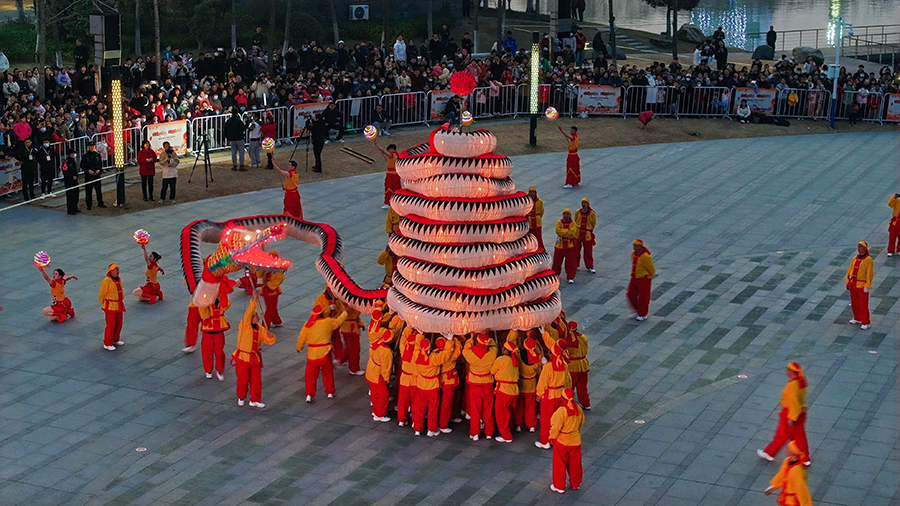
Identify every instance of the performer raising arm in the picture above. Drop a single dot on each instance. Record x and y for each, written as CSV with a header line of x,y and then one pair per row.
x,y
292,205
151,290
391,179
60,307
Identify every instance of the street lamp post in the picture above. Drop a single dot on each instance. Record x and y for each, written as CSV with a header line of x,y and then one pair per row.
x,y
534,86
838,42
115,99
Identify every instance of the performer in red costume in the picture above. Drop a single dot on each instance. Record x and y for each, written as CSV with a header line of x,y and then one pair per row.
x,y
428,386
480,354
60,306
112,300
192,328
247,358
271,289
529,369
792,417
579,366
585,219
565,432
553,380
505,371
391,179
292,205
378,372
859,282
151,290
573,162
449,383
212,344
316,333
642,272
565,249
535,215
406,385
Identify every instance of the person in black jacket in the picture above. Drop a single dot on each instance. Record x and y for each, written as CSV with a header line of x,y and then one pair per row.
x,y
334,120
81,54
318,131
70,179
234,134
47,162
92,165
771,37
27,154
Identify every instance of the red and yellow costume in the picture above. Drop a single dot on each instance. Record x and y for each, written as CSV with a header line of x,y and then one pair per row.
x,y
553,380
565,249
406,387
535,217
428,385
391,179
480,354
378,371
859,282
250,280
151,289
212,344
449,383
270,292
113,303
791,479
247,358
565,432
193,326
316,334
392,222
573,163
585,221
505,371
894,226
388,259
332,306
350,330
792,417
642,272
579,366
292,205
529,369
60,305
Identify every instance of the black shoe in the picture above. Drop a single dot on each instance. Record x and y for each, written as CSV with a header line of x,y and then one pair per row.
x,y
72,213
145,199
79,210
101,205
89,208
317,170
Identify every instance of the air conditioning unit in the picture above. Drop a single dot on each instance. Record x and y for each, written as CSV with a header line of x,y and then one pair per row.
x,y
359,12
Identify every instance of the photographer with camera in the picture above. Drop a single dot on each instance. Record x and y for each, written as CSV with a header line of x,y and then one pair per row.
x,y
255,133
234,134
318,130
169,161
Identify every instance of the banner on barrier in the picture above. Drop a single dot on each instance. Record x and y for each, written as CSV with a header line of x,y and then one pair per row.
x,y
439,99
760,102
10,176
303,110
597,99
893,107
175,132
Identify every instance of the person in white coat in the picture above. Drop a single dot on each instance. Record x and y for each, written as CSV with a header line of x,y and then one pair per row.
x,y
400,49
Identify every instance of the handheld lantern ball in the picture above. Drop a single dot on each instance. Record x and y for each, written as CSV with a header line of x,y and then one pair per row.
x,y
41,259
551,113
141,236
370,132
467,118
268,144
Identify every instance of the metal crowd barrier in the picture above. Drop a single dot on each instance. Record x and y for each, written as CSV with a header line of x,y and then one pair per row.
x,y
638,99
810,104
704,102
406,108
870,108
357,112
213,127
488,102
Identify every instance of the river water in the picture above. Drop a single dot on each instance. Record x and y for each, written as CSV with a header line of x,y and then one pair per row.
x,y
740,17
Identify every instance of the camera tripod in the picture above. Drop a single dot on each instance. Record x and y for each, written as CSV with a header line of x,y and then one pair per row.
x,y
207,168
305,133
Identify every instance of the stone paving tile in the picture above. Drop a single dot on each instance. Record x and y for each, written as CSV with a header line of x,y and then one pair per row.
x,y
750,273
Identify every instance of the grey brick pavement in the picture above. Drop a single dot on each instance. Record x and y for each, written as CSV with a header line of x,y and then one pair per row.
x,y
751,239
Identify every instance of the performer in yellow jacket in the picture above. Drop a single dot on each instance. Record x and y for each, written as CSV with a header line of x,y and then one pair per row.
x,y
529,369
316,333
428,386
579,366
151,290
553,380
271,290
642,272
791,480
332,306
894,225
247,358
213,327
535,216
378,372
112,300
565,250
565,432
505,371
350,331
406,384
792,417
391,222
586,220
859,282
480,353
60,306
388,259
449,383
391,179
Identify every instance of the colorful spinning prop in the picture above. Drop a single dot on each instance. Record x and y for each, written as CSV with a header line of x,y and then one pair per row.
x,y
467,118
41,259
370,132
551,113
268,145
141,236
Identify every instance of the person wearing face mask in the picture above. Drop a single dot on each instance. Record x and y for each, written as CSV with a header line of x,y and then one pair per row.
x,y
70,180
91,164
47,164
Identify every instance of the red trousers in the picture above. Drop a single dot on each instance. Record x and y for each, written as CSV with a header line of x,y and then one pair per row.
x,y
248,376
212,347
448,394
351,339
292,205
391,184
894,238
271,314
193,326
783,434
378,393
579,384
426,404
566,459
62,310
570,255
481,408
859,301
539,234
504,405
548,407
526,410
588,247
313,367
113,332
405,397
573,170
151,292
639,295
337,347
247,283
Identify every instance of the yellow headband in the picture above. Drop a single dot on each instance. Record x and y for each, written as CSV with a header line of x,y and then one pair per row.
x,y
864,244
567,210
532,188
112,267
638,242
586,200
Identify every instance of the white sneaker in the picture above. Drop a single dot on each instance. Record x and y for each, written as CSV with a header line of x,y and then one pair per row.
x,y
189,349
418,433
381,419
386,206
109,348
257,405
456,420
120,343
448,430
807,463
864,327
209,375
327,141
331,396
855,321
240,402
473,438
539,445
433,434
341,141
219,376
890,254
488,437
402,424
357,373
500,439
587,408
571,281
531,429
172,201
567,186
563,491
765,456
592,271
308,398
641,318
518,429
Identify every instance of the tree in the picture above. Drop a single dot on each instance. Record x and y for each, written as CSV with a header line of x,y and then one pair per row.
x,y
334,24
137,27
20,7
40,7
233,23
271,42
156,30
501,22
431,17
287,27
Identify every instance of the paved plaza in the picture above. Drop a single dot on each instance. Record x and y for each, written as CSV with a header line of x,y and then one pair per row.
x,y
751,240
